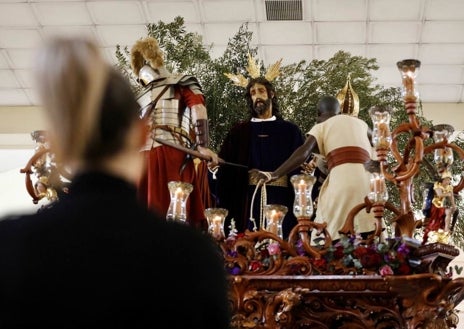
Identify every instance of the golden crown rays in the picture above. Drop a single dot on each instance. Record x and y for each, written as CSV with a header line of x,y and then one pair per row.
x,y
254,70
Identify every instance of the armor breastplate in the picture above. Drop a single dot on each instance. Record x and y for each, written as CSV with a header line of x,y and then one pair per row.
x,y
167,120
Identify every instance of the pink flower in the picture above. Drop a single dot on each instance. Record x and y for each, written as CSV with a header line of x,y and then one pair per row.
x,y
274,248
386,270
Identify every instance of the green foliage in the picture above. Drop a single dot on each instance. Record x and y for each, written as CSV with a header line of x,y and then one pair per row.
x,y
184,50
226,102
123,64
299,87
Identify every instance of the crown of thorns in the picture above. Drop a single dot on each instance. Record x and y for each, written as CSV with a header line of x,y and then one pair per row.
x,y
254,70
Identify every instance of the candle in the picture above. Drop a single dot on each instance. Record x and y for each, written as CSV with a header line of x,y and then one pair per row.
x,y
302,194
378,189
273,222
217,226
275,213
376,185
381,136
179,194
384,135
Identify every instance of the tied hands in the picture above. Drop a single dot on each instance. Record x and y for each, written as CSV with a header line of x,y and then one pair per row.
x,y
262,177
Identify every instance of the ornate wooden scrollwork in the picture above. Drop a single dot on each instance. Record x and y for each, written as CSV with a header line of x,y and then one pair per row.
x,y
43,177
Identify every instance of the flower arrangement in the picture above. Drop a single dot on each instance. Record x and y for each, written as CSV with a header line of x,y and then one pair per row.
x,y
389,257
349,255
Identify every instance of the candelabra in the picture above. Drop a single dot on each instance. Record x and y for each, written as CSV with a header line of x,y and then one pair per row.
x,y
44,179
407,162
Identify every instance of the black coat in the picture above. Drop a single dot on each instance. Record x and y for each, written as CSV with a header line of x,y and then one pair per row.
x,y
99,259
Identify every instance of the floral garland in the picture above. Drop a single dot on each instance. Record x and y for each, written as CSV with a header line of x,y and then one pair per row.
x,y
350,255
393,256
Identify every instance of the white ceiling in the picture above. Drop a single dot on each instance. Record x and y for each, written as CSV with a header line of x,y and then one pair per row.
x,y
389,30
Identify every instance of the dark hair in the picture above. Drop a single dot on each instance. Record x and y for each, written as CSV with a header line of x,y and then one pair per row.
x,y
118,111
270,90
328,104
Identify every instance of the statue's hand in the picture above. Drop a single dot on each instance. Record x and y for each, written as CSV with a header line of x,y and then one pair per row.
x,y
214,157
261,176
308,167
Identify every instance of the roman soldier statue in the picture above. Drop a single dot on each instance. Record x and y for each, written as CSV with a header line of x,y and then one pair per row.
x,y
174,107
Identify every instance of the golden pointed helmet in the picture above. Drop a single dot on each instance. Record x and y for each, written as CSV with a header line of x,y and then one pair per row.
x,y
348,99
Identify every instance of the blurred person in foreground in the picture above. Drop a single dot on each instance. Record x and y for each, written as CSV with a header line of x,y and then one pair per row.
x,y
99,259
344,142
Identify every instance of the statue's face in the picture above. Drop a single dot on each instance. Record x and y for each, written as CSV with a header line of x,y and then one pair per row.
x,y
149,74
261,101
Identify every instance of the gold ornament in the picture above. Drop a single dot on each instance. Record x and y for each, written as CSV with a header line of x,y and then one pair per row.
x,y
439,236
254,70
348,99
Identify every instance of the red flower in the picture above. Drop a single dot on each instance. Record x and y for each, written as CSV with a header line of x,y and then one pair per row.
x,y
360,251
319,263
404,269
338,253
401,257
370,259
255,265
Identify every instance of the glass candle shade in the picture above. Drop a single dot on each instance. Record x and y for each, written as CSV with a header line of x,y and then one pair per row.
x,y
381,135
409,68
303,204
179,192
275,214
215,218
378,188
443,156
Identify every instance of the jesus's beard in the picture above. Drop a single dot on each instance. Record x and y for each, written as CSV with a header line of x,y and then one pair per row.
x,y
261,106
